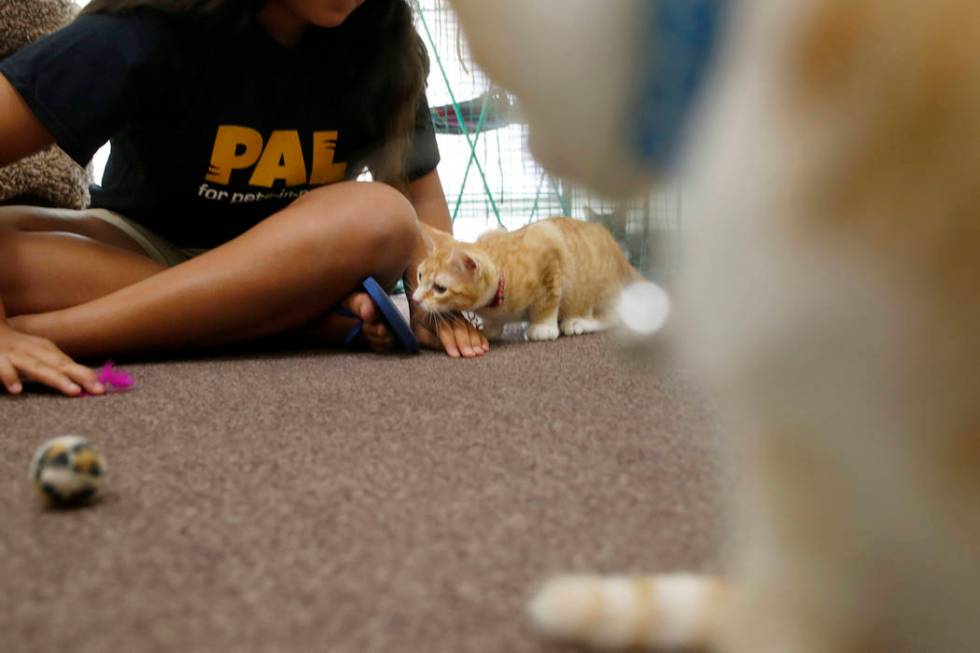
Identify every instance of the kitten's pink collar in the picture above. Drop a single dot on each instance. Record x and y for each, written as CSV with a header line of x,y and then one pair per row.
x,y
498,299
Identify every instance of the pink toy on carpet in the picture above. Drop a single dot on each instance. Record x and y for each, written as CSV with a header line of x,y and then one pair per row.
x,y
114,379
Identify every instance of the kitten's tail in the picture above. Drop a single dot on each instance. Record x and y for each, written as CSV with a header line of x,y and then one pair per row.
x,y
669,611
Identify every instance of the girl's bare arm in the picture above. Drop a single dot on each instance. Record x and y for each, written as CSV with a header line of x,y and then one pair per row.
x,y
21,133
22,355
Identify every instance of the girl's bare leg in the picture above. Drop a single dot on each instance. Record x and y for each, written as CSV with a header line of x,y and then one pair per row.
x,y
52,259
283,273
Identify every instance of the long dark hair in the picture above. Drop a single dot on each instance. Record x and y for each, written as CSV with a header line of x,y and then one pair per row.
x,y
389,66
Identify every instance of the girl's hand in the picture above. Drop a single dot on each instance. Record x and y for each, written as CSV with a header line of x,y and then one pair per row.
x,y
40,360
456,335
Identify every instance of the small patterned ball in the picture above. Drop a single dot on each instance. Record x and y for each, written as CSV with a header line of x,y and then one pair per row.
x,y
67,470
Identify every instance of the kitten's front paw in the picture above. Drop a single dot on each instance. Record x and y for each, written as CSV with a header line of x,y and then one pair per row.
x,y
542,332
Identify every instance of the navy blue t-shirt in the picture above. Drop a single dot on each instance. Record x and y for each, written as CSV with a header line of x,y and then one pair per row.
x,y
212,130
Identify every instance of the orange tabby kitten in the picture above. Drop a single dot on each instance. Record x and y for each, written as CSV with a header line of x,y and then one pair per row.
x,y
561,275
832,299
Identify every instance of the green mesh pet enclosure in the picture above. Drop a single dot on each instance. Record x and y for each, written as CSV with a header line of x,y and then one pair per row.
x,y
489,176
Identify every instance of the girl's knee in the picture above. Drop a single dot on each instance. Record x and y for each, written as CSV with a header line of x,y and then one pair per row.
x,y
369,227
390,217
370,215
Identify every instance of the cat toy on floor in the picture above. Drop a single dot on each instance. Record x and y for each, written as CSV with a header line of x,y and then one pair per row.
x,y
114,379
67,471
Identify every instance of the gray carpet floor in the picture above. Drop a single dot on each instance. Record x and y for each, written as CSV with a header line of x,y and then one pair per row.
x,y
320,501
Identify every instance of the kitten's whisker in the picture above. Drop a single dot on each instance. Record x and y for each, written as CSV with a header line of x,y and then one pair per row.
x,y
433,320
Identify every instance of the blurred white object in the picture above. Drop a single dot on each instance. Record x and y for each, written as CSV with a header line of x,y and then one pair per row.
x,y
573,79
607,88
644,308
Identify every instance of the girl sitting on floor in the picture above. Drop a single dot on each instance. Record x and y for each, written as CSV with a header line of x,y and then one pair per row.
x,y
229,210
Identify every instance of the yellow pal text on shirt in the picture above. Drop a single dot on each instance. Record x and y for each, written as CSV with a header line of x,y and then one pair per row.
x,y
279,158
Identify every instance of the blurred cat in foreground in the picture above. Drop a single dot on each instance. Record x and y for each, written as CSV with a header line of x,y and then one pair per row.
x,y
831,297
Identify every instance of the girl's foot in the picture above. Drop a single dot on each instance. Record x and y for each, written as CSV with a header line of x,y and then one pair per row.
x,y
333,327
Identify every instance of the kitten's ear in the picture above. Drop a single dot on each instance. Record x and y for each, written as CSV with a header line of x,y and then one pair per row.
x,y
433,237
463,261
